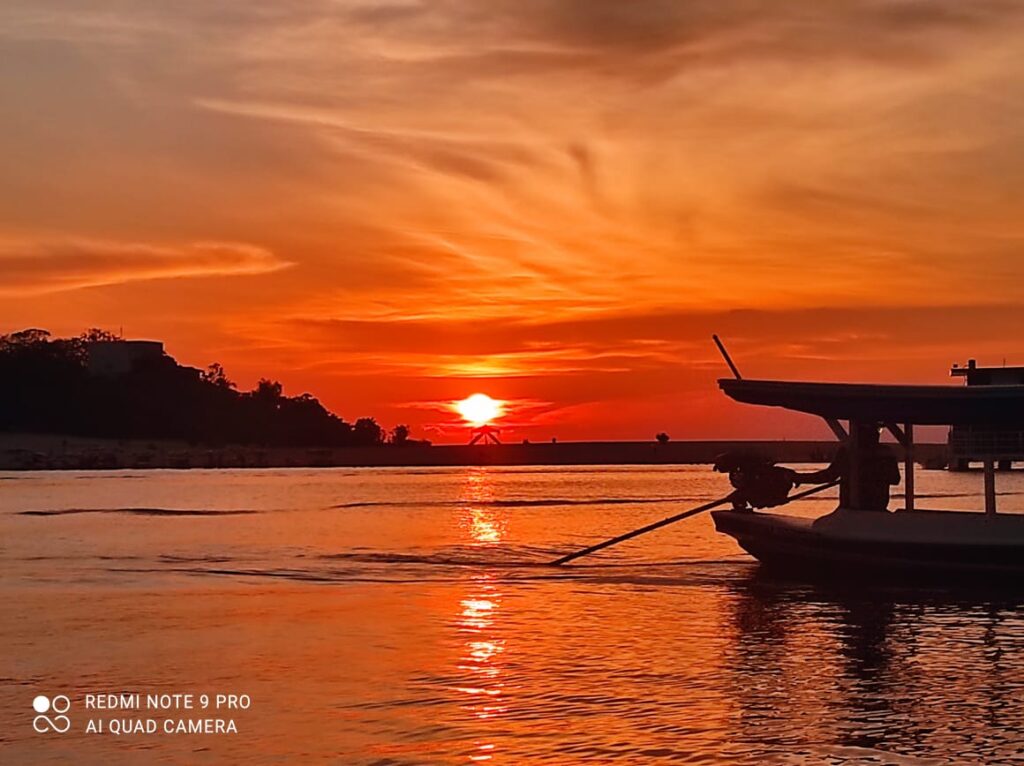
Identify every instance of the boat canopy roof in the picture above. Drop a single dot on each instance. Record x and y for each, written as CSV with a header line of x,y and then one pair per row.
x,y
992,406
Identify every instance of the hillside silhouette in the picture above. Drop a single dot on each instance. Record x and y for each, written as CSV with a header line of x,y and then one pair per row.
x,y
100,385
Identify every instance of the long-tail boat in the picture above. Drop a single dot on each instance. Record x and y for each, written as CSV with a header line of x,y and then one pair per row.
x,y
855,543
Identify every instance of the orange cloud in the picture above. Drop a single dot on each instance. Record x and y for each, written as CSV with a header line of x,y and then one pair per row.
x,y
32,268
558,200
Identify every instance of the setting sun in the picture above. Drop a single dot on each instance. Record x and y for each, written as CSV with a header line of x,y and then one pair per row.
x,y
479,409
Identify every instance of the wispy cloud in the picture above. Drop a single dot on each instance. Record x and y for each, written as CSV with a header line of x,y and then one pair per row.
x,y
33,267
567,194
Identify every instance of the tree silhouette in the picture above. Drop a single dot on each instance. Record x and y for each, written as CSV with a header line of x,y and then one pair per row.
x,y
30,338
662,438
400,435
268,391
46,387
97,335
366,431
215,375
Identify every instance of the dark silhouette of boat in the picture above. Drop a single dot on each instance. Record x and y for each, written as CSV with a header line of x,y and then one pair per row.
x,y
850,542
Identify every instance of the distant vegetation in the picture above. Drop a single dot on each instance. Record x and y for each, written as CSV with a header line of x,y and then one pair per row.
x,y
51,385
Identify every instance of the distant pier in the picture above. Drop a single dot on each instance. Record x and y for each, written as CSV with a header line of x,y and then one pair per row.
x,y
42,452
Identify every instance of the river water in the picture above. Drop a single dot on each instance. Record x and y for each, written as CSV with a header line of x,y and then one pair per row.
x,y
396,616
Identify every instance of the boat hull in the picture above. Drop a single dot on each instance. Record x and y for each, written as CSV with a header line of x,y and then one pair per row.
x,y
857,544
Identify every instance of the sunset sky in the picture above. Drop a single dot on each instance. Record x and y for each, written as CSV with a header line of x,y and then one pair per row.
x,y
393,205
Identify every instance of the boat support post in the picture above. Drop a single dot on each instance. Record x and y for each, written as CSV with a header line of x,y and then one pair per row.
x,y
854,446
905,436
908,466
990,486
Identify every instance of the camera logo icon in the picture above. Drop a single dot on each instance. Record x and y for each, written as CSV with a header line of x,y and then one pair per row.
x,y
58,722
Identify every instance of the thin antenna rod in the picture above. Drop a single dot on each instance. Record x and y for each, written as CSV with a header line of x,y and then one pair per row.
x,y
728,359
835,425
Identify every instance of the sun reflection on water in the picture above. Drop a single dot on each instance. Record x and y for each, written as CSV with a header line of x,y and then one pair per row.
x,y
480,659
484,523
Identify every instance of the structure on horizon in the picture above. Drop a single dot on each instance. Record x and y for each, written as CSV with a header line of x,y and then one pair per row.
x,y
487,434
969,444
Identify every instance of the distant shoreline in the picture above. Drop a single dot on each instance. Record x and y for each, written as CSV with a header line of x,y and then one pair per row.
x,y
50,452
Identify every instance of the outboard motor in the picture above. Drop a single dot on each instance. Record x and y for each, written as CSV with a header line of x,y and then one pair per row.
x,y
758,481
